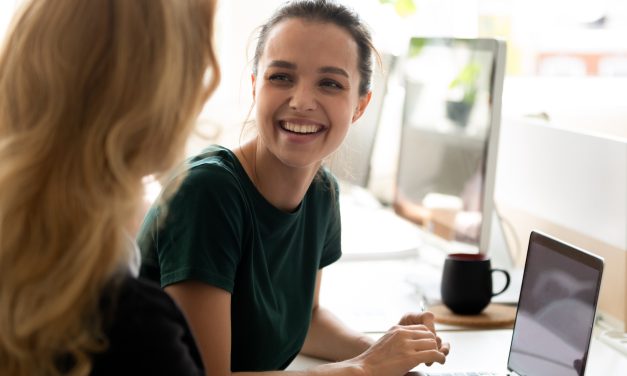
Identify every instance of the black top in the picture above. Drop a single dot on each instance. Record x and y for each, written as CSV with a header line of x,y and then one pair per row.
x,y
147,333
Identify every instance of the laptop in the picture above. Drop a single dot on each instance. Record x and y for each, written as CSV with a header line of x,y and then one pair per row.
x,y
556,310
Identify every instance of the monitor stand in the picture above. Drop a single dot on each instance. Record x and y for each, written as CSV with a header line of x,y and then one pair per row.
x,y
502,257
499,250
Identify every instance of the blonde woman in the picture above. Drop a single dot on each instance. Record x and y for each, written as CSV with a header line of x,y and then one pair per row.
x,y
94,96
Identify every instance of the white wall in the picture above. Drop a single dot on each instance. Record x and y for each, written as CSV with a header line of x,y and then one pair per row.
x,y
571,169
237,21
587,104
570,178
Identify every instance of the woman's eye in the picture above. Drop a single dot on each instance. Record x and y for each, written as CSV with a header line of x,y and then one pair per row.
x,y
331,84
280,78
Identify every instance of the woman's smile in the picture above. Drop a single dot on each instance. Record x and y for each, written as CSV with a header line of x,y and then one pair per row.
x,y
300,128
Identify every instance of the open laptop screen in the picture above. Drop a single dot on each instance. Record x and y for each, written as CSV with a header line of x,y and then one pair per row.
x,y
556,309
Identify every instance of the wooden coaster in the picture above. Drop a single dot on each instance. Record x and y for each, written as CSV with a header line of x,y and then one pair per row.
x,y
494,316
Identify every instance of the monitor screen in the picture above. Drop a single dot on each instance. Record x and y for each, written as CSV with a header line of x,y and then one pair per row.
x,y
449,137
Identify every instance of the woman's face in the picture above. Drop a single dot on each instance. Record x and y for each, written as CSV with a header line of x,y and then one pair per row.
x,y
307,91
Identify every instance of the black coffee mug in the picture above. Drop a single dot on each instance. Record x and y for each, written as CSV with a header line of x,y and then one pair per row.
x,y
466,286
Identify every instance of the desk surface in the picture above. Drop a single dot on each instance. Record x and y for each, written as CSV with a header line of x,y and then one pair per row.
x,y
371,293
488,350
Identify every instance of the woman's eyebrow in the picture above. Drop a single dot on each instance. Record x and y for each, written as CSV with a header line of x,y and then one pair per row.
x,y
334,70
328,69
282,64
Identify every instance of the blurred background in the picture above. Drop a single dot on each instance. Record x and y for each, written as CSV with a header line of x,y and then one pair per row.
x,y
562,55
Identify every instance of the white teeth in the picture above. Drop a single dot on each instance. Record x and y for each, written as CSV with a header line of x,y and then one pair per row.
x,y
301,128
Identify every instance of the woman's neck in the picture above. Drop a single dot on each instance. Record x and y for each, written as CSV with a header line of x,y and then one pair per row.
x,y
283,186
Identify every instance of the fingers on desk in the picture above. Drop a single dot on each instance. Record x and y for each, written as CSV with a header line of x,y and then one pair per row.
x,y
417,329
425,318
445,347
422,344
401,349
429,357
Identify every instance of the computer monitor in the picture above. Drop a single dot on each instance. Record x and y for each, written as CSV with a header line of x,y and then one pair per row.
x,y
449,139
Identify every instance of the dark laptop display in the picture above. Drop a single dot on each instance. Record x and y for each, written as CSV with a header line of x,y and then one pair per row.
x,y
556,309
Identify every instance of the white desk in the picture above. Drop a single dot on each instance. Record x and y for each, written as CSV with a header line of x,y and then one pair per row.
x,y
371,291
372,295
488,350
372,231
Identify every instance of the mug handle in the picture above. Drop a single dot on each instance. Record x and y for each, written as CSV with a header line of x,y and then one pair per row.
x,y
506,281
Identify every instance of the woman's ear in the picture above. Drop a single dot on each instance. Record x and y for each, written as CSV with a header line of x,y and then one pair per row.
x,y
363,102
253,79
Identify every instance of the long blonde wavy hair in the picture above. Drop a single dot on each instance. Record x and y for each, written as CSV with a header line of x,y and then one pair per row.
x,y
94,95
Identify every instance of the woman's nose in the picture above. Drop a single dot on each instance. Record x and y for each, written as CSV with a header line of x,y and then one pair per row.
x,y
303,98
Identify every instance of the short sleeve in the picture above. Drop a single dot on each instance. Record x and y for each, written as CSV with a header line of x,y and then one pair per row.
x,y
203,232
333,239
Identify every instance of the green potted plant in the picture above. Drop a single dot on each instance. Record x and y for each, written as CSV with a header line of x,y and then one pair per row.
x,y
462,94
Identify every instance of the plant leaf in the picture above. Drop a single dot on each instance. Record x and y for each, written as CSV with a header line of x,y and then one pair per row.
x,y
405,8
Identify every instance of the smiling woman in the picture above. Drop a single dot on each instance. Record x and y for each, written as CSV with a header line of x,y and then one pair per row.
x,y
242,245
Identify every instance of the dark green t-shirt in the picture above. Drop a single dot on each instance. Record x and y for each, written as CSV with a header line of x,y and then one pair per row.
x,y
220,230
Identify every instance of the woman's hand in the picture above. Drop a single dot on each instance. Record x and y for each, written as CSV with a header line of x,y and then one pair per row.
x,y
399,350
427,319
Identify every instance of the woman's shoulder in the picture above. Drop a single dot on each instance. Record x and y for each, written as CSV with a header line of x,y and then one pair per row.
x,y
326,184
136,304
215,156
135,294
146,332
328,177
216,167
